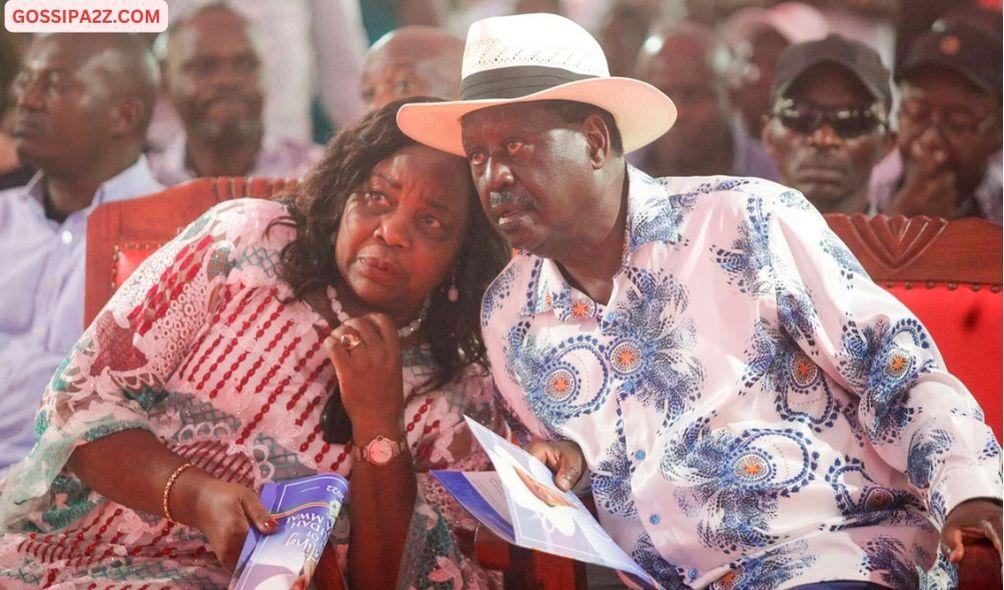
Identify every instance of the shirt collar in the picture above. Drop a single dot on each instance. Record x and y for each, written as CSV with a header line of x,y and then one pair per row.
x,y
653,216
134,181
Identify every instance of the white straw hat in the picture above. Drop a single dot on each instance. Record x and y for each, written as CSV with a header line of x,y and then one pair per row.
x,y
529,57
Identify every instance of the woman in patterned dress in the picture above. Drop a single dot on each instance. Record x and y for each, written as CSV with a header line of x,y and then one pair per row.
x,y
260,345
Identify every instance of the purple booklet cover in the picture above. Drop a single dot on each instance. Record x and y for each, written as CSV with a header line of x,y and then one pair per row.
x,y
306,509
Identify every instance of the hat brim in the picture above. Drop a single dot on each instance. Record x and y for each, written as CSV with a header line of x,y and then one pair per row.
x,y
912,67
642,112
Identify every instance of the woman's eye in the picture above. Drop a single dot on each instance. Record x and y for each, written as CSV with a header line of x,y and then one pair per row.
x,y
513,146
376,199
476,158
432,221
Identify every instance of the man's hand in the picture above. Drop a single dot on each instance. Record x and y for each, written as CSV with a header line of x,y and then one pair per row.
x,y
564,459
970,519
928,183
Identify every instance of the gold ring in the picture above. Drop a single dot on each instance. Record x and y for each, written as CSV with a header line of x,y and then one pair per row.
x,y
350,341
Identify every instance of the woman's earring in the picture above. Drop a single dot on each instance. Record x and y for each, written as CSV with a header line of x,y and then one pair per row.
x,y
453,294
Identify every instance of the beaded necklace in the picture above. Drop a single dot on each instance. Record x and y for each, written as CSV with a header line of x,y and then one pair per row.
x,y
402,332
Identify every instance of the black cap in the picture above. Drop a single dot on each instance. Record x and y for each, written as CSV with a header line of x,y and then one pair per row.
x,y
858,58
959,44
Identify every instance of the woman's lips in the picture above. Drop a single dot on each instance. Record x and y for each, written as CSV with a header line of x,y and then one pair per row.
x,y
379,270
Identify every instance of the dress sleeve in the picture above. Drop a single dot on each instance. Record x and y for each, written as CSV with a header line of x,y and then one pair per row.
x,y
919,418
115,374
433,558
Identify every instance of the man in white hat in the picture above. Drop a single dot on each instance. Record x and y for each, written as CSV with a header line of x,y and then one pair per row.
x,y
752,409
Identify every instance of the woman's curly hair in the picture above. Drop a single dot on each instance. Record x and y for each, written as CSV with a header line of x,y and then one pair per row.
x,y
315,211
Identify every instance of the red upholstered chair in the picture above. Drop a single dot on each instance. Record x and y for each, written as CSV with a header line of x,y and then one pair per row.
x,y
121,235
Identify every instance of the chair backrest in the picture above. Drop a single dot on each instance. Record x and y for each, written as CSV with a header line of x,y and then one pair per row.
x,y
123,234
948,273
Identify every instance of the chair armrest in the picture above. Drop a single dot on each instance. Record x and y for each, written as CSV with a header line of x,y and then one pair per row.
x,y
980,567
525,569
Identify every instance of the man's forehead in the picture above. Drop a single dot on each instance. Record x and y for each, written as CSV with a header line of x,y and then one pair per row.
x,y
62,52
213,32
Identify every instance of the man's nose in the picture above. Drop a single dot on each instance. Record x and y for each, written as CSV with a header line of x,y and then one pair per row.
x,y
825,136
30,95
228,76
499,175
933,137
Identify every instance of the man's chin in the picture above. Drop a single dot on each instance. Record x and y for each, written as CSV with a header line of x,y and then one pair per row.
x,y
31,153
231,133
521,239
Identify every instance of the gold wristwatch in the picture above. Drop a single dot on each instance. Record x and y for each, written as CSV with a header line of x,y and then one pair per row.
x,y
380,451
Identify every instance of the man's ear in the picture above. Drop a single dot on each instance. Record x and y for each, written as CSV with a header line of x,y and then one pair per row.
x,y
128,116
597,140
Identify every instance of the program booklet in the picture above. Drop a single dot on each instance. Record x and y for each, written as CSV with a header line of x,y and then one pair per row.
x,y
520,503
305,509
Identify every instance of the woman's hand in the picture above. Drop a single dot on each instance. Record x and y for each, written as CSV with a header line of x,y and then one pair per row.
x,y
366,353
225,512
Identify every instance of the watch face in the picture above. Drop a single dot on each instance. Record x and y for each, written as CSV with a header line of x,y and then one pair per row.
x,y
380,451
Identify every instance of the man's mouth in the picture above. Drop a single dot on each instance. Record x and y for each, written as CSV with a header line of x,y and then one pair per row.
x,y
508,208
27,128
227,104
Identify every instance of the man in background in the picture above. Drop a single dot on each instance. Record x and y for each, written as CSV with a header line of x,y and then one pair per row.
x,y
214,80
949,159
411,61
688,63
83,106
829,122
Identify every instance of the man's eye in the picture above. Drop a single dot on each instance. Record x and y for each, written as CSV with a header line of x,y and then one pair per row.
x,y
476,158
513,146
22,80
432,221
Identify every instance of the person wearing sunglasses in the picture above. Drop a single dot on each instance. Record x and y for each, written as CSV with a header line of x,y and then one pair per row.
x,y
949,159
829,121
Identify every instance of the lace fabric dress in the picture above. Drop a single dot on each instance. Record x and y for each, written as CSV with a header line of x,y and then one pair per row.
x,y
199,348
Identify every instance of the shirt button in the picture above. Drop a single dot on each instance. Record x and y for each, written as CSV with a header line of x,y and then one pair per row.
x,y
66,236
639,455
654,519
38,330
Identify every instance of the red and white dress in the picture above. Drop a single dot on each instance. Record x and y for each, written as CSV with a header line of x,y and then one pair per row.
x,y
202,347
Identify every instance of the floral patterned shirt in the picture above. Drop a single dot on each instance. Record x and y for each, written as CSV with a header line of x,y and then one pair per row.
x,y
203,347
755,412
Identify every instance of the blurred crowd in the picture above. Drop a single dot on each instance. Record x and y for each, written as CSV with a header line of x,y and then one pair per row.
x,y
252,87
